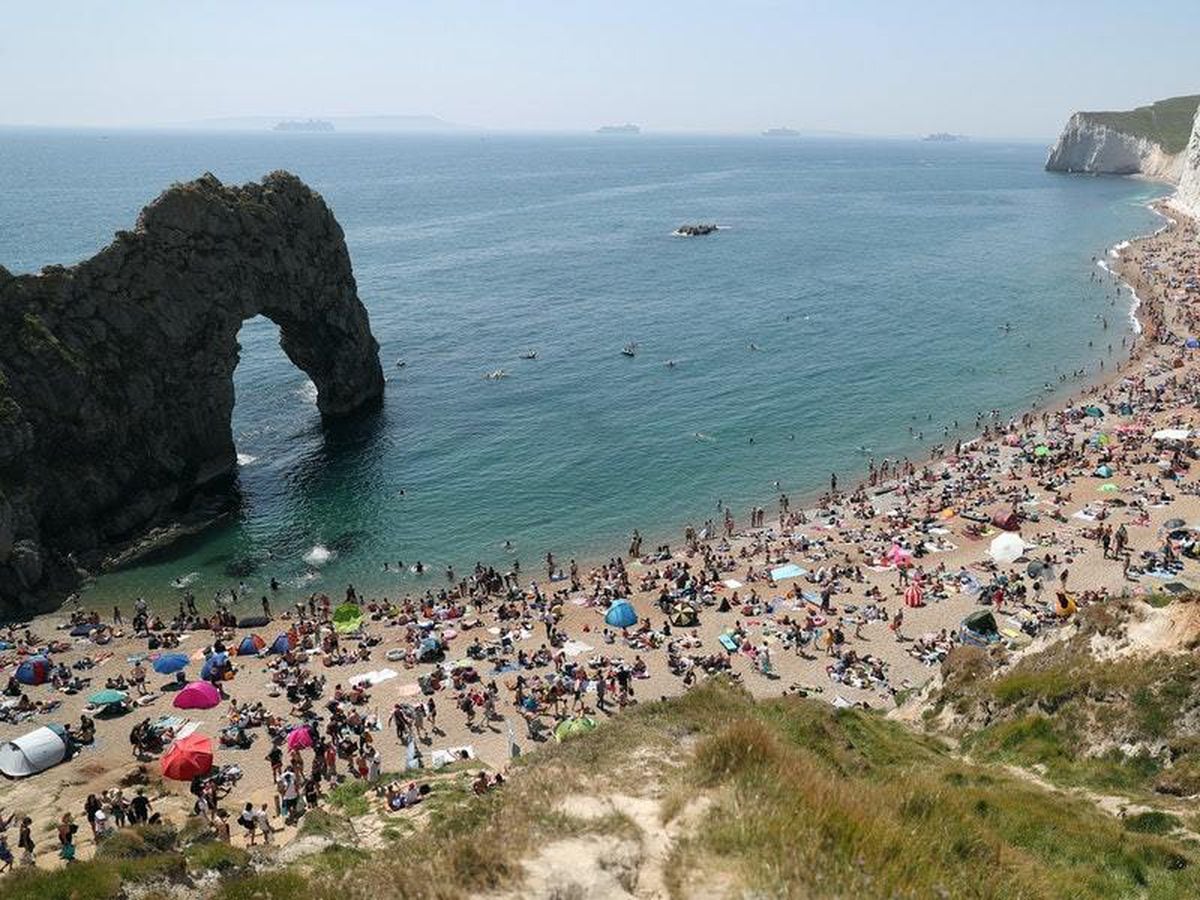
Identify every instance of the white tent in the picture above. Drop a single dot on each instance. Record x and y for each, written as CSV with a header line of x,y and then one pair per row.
x,y
1171,434
1006,548
33,752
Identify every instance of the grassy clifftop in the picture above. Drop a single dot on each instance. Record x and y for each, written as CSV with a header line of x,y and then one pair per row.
x,y
1167,122
713,794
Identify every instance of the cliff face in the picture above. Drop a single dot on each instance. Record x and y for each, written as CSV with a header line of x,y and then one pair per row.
x,y
1188,196
1088,146
1148,140
116,375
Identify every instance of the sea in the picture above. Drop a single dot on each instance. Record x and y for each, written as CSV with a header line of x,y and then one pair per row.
x,y
862,298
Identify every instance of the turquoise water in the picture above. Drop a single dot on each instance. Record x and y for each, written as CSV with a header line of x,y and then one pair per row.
x,y
874,276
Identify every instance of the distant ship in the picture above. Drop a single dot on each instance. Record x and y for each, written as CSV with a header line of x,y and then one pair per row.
x,y
627,128
944,137
306,125
781,132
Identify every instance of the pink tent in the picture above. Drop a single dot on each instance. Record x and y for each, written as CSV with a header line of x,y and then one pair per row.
x,y
197,695
898,556
298,738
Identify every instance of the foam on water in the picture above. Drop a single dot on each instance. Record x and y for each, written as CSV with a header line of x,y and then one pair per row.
x,y
319,555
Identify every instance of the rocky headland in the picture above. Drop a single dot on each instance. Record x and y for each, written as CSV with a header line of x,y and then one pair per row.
x,y
1148,140
116,374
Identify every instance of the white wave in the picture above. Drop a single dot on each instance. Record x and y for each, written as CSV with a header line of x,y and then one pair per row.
x,y
308,392
245,459
184,580
319,555
1115,250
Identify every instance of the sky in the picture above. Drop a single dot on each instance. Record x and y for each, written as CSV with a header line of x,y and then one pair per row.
x,y
1014,69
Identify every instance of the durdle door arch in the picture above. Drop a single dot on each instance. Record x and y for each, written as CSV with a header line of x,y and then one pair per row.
x,y
116,375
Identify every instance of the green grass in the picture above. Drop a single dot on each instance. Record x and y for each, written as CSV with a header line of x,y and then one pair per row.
x,y
1167,122
350,797
217,856
923,824
1066,712
1153,822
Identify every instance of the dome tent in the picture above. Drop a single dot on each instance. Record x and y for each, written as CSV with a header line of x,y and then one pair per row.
x,y
251,645
35,670
621,614
281,644
34,752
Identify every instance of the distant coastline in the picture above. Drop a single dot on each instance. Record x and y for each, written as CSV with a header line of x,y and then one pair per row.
x,y
310,125
627,128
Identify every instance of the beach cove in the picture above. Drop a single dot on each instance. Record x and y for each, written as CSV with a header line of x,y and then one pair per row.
x,y
872,585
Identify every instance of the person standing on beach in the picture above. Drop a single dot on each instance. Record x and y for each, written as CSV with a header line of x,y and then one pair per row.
x,y
833,483
25,842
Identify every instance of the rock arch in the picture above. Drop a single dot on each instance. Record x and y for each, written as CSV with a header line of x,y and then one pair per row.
x,y
116,375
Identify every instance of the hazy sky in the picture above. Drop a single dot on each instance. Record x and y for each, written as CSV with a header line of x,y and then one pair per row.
x,y
1004,69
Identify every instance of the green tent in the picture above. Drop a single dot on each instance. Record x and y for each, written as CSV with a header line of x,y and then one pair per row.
x,y
347,618
1041,450
108,697
569,728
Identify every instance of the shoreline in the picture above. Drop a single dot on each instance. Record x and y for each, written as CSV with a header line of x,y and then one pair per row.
x,y
807,500
890,646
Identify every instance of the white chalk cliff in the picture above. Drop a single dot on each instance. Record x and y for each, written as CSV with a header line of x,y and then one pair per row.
x,y
1089,146
1188,196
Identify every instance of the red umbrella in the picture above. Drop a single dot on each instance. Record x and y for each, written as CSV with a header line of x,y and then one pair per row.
x,y
187,758
298,738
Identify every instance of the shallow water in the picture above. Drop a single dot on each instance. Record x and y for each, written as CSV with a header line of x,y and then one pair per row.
x,y
873,276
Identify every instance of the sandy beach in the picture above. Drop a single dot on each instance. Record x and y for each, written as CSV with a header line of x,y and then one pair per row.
x,y
855,599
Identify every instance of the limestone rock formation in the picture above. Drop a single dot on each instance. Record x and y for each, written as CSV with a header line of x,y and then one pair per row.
x,y
1146,141
1188,196
116,375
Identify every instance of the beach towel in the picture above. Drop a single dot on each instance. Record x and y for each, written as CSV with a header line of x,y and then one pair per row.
x,y
373,678
728,642
732,583
451,755
789,570
575,648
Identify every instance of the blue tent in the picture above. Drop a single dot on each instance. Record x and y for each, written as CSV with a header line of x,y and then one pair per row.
x,y
216,661
250,645
281,644
170,663
1192,343
35,670
620,614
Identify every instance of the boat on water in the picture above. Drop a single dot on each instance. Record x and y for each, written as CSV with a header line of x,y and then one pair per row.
x,y
698,230
529,354
496,375
629,349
